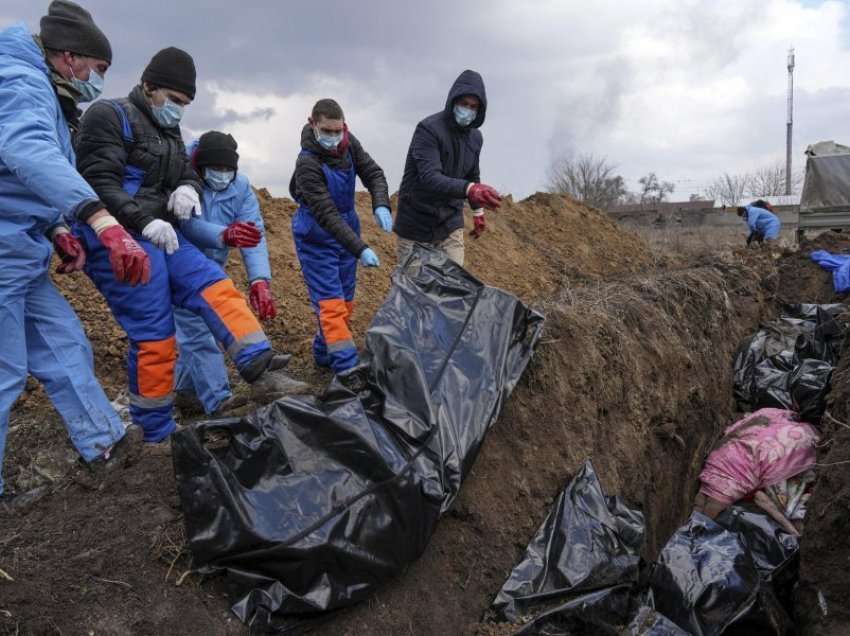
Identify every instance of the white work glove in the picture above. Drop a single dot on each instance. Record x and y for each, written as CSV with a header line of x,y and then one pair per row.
x,y
161,234
184,202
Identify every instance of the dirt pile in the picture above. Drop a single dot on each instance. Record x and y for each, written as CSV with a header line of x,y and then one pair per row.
x,y
634,372
530,248
824,601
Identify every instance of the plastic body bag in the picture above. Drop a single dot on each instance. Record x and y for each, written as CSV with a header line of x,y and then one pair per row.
x,y
788,362
314,502
729,576
704,579
587,542
648,622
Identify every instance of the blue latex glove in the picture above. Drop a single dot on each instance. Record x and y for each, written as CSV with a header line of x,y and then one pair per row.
x,y
384,217
368,258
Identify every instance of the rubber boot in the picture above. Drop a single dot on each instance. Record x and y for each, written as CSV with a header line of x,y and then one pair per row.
x,y
355,379
274,383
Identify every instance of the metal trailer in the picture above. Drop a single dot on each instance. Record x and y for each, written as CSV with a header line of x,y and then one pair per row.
x,y
825,202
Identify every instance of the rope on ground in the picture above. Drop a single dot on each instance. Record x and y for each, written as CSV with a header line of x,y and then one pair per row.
x,y
5,575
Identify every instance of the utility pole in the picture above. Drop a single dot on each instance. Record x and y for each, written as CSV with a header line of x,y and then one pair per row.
x,y
789,132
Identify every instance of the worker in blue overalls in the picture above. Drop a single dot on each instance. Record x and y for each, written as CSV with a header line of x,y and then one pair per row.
x,y
230,218
326,230
763,223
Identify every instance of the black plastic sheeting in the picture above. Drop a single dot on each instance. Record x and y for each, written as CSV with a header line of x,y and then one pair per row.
x,y
313,502
588,541
729,576
648,622
788,363
582,574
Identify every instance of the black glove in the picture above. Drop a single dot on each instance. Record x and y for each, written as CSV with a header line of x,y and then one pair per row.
x,y
750,238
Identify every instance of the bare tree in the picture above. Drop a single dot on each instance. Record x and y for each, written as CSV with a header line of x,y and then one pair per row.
x,y
654,191
728,189
770,181
589,179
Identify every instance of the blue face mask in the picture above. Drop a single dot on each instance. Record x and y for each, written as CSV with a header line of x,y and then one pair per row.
x,y
328,142
168,115
464,116
218,180
91,88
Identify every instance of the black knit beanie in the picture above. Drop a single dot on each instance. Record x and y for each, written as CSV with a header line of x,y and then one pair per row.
x,y
69,27
216,149
172,68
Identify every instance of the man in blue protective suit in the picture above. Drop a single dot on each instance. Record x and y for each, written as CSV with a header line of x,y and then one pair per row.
x,y
230,218
132,153
42,78
442,170
327,231
763,223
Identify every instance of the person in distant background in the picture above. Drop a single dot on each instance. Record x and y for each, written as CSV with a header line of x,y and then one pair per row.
x,y
326,230
763,223
441,170
230,217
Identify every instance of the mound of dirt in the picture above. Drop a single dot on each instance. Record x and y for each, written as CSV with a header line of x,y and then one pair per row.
x,y
802,280
824,600
634,372
530,248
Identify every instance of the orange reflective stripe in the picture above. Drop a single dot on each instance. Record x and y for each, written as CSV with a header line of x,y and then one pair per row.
x,y
231,308
332,317
155,367
349,308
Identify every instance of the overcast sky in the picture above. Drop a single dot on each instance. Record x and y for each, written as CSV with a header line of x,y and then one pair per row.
x,y
686,89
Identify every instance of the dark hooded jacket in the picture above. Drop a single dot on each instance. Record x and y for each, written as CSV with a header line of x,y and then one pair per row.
x,y
308,185
441,163
157,156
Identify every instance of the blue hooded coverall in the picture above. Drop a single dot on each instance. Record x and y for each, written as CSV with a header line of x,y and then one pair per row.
x,y
330,271
763,222
200,367
39,332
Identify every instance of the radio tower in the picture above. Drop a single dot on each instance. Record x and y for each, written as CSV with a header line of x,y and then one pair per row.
x,y
790,123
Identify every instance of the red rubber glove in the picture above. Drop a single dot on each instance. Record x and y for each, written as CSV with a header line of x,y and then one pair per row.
x,y
261,300
481,195
241,235
480,225
130,263
70,250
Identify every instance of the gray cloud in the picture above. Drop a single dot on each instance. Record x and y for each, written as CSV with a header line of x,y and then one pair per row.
x,y
625,80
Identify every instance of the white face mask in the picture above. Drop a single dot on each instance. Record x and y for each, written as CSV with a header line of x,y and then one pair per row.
x,y
89,89
218,180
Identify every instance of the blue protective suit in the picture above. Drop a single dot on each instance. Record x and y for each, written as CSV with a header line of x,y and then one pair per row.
x,y
763,222
200,367
838,264
39,332
330,271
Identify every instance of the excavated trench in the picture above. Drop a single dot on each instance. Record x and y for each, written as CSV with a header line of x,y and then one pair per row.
x,y
635,374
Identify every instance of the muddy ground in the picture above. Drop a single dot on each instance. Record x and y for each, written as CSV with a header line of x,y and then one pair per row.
x,y
633,372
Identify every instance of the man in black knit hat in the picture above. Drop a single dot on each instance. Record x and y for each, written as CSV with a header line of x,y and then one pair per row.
x,y
231,219
42,78
131,151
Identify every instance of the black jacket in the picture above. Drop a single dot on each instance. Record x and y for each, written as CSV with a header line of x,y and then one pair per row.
x,y
441,162
102,156
308,185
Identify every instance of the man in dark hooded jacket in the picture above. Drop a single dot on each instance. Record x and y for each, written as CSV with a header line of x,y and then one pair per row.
x,y
442,170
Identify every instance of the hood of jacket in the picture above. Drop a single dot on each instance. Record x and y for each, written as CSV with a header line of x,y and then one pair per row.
x,y
468,83
17,42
